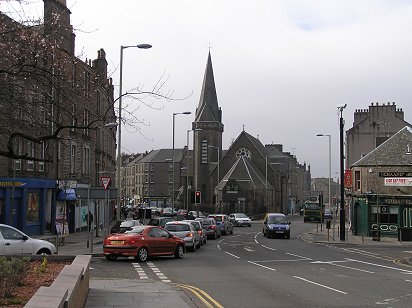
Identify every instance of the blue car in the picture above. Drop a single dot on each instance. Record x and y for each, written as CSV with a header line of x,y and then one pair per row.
x,y
276,224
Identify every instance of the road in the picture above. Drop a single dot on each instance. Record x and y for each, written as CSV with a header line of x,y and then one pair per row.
x,y
247,269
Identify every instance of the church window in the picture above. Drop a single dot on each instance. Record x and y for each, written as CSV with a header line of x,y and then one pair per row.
x,y
243,152
204,151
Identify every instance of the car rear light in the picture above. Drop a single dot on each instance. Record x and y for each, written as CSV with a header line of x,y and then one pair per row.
x,y
189,234
200,232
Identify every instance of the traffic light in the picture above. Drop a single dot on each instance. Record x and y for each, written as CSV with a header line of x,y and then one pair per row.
x,y
197,197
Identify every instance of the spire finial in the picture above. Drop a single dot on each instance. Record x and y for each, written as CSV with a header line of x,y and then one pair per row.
x,y
243,127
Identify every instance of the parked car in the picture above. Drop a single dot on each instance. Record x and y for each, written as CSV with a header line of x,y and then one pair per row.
x,y
15,242
159,221
143,242
200,230
327,214
226,227
240,219
125,226
276,224
185,231
212,229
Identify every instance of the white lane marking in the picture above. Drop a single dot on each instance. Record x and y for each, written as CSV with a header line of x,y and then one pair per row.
x,y
269,268
408,280
407,251
291,254
140,271
379,265
268,247
232,255
352,268
256,241
248,249
158,272
218,247
278,260
331,262
320,285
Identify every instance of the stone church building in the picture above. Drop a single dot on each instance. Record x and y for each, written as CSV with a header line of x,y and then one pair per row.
x,y
248,177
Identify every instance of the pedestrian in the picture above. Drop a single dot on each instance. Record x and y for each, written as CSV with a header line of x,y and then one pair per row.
x,y
89,219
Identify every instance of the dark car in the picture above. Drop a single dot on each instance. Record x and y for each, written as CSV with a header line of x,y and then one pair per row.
x,y
160,221
143,242
212,229
276,224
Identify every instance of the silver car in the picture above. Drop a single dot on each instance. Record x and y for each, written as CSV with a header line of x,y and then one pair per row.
x,y
185,231
240,219
15,242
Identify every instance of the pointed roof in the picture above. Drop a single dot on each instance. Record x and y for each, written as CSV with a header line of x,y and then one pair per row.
x,y
393,152
245,170
208,108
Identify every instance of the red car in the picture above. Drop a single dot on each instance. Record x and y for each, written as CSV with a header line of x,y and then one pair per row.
x,y
143,242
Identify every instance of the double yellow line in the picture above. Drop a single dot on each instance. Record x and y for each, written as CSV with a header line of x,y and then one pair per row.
x,y
202,295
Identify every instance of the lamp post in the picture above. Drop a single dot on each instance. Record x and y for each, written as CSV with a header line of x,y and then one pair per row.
x,y
329,182
187,167
173,160
119,142
218,168
342,176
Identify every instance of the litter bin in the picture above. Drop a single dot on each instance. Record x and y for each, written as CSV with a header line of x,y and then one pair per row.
x,y
328,224
404,234
375,235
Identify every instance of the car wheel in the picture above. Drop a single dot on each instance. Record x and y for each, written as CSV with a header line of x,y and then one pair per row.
x,y
249,225
179,252
142,254
231,232
288,236
44,251
264,233
193,247
111,258
199,244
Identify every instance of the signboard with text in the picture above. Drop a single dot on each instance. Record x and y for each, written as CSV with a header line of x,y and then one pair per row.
x,y
398,181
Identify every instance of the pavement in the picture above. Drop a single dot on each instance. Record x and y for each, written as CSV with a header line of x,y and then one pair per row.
x,y
150,293
121,292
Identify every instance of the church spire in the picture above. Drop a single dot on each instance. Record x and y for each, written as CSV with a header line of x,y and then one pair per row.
x,y
208,109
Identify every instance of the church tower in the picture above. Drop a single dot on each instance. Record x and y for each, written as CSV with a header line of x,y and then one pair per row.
x,y
208,129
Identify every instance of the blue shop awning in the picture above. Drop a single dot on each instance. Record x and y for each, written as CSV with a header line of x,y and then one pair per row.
x,y
68,194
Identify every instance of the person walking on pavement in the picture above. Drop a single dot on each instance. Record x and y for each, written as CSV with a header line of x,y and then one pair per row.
x,y
89,219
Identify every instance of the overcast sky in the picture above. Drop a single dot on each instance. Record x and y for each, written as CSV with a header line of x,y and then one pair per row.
x,y
281,67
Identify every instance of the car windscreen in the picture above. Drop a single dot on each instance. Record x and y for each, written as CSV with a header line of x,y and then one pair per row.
x,y
240,216
277,220
177,227
218,218
153,222
206,222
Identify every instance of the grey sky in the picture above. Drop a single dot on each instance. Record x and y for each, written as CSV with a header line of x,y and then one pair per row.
x,y
281,67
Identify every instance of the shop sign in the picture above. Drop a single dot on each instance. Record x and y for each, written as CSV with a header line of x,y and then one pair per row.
x,y
12,184
348,179
393,201
395,174
399,181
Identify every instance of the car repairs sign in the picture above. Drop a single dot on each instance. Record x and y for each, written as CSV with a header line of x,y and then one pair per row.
x,y
398,181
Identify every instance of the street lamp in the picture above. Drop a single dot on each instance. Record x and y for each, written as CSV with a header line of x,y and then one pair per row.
x,y
329,137
218,168
329,191
187,167
173,159
119,127
342,176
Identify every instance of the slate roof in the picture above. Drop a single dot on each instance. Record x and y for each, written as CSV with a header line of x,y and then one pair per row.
x,y
208,108
392,152
244,170
161,156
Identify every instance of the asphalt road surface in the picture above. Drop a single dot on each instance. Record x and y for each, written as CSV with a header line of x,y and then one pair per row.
x,y
247,269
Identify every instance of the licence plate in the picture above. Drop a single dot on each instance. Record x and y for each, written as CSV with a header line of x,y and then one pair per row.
x,y
279,231
117,242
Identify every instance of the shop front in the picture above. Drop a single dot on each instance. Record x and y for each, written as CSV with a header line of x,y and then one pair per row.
x,y
381,215
27,204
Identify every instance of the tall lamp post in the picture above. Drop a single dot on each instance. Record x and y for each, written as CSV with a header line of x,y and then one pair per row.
x,y
173,160
329,136
342,176
218,168
119,143
329,186
187,166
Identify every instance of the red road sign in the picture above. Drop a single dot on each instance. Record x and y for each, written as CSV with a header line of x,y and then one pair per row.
x,y
105,181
